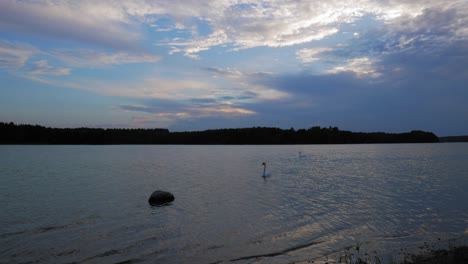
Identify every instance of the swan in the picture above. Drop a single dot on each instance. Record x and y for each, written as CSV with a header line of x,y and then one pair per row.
x,y
264,171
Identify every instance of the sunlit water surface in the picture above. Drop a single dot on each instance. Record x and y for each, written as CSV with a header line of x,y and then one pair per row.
x,y
88,204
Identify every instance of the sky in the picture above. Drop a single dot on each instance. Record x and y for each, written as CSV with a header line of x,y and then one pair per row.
x,y
384,65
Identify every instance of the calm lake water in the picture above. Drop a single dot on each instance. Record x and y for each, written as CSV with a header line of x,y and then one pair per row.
x,y
88,204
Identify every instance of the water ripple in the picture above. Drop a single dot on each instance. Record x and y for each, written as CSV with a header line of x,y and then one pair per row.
x,y
88,204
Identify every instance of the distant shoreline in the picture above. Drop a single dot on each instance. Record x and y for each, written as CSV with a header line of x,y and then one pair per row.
x,y
39,135
454,139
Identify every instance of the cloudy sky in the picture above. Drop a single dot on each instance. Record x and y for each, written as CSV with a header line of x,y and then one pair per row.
x,y
384,65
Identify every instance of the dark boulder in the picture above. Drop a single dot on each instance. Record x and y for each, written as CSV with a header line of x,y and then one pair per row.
x,y
160,198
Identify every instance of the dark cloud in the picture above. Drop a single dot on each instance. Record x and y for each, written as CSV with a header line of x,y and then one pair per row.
x,y
203,101
423,67
144,109
433,42
245,96
356,104
230,73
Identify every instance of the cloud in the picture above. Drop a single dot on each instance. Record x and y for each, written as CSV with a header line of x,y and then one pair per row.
x,y
194,46
430,32
438,48
160,120
14,55
99,23
184,89
236,85
194,112
248,84
417,80
228,73
86,58
311,54
166,117
430,39
42,67
140,108
362,67
255,24
233,94
393,56
235,74
236,25
285,23
179,89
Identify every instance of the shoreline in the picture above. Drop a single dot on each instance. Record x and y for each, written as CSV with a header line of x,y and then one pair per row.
x,y
451,251
455,255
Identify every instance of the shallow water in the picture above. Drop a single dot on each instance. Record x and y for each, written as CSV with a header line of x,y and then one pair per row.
x,y
88,204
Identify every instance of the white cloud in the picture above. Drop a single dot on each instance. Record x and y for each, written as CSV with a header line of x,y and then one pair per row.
x,y
235,74
245,83
262,92
222,110
96,22
42,67
239,24
311,55
228,90
14,55
229,73
177,89
362,67
192,89
84,58
168,118
192,47
285,23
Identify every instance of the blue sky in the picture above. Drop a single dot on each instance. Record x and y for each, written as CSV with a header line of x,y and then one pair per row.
x,y
386,65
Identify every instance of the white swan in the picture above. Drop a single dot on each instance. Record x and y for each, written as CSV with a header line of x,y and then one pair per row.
x,y
265,174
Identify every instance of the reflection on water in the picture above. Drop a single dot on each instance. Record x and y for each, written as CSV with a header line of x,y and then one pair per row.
x,y
88,204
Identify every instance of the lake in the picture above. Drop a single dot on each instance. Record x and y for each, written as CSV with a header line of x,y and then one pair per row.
x,y
89,204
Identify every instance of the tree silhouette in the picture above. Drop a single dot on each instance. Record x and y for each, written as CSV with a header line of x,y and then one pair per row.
x,y
35,134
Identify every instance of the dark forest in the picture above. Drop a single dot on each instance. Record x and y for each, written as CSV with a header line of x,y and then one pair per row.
x,y
11,133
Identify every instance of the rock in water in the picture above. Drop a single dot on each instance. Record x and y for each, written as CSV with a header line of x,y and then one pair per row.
x,y
160,198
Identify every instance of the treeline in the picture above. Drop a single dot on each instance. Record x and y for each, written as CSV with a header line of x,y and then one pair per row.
x,y
34,134
454,139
